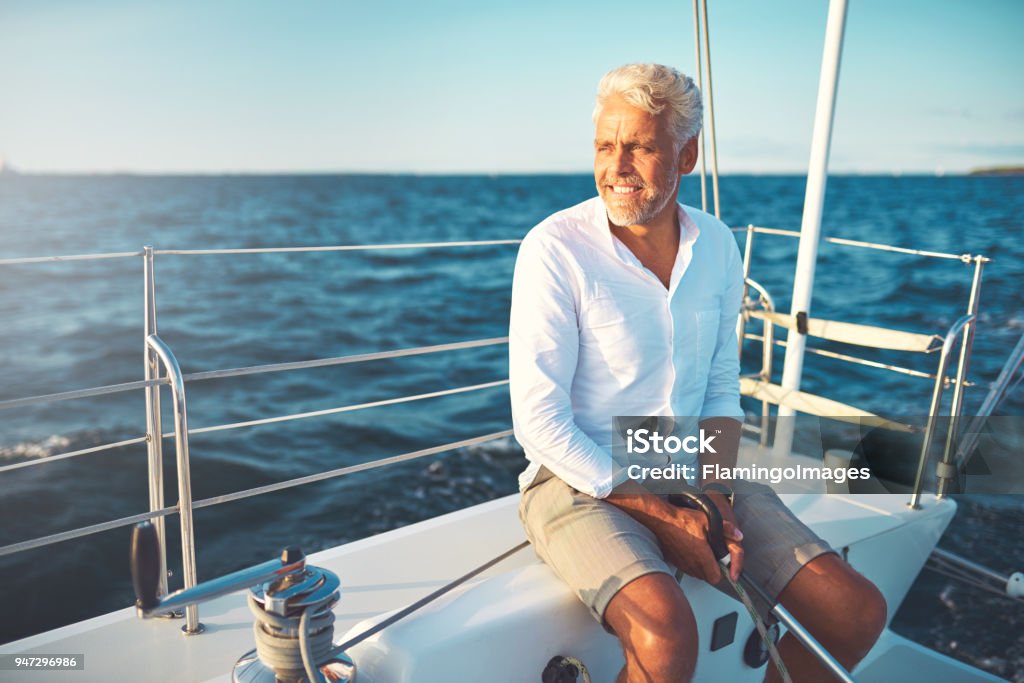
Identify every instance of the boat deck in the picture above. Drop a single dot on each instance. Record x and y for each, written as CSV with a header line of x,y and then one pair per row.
x,y
388,571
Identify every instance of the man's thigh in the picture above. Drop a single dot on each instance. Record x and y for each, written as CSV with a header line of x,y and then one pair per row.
x,y
776,544
593,546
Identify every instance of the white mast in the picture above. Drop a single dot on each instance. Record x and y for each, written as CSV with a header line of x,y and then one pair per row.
x,y
814,199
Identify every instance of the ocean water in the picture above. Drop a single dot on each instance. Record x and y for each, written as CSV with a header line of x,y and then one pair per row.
x,y
78,324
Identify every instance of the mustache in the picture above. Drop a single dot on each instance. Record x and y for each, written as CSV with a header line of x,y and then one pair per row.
x,y
625,180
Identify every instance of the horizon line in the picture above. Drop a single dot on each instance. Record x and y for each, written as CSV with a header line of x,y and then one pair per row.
x,y
10,171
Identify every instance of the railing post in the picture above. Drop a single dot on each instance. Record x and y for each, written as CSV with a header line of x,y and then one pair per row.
x,y
961,373
767,349
933,411
154,442
741,324
188,547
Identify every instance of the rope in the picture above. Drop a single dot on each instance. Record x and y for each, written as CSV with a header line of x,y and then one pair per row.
x,y
579,665
308,660
285,644
693,498
769,642
561,667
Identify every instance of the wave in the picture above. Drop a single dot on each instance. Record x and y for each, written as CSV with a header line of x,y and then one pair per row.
x,y
35,449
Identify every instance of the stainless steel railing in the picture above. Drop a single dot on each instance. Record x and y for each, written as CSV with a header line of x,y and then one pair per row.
x,y
188,544
961,326
964,327
158,354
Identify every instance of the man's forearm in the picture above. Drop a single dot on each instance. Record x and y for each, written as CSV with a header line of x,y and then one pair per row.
x,y
650,510
726,431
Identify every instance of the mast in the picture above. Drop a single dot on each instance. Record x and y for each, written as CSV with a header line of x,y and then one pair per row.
x,y
814,199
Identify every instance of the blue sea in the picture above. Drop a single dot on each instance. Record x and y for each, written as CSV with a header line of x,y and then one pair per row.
x,y
79,324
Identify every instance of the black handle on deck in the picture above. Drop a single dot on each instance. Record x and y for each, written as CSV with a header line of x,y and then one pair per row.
x,y
145,565
716,527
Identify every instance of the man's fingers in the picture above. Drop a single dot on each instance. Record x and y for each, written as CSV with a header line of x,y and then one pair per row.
x,y
733,536
712,572
736,560
732,531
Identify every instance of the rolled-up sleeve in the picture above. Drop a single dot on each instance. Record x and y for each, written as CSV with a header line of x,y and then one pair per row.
x,y
543,352
722,396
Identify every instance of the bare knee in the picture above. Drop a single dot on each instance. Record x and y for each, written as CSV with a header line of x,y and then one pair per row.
x,y
658,631
841,608
859,617
665,650
865,621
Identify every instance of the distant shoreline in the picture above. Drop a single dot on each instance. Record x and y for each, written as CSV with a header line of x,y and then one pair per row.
x,y
997,170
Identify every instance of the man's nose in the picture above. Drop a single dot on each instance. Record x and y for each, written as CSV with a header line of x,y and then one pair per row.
x,y
622,161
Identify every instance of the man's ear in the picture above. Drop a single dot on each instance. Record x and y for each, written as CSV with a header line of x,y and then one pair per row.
x,y
688,156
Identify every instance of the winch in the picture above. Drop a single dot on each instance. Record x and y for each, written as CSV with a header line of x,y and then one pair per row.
x,y
290,601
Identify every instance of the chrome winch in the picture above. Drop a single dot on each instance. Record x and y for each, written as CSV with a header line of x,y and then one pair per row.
x,y
291,603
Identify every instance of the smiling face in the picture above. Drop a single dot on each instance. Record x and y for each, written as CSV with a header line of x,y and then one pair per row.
x,y
637,163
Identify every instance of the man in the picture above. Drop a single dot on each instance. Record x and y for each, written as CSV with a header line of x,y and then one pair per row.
x,y
626,304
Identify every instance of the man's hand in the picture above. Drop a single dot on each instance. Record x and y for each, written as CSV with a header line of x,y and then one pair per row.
x,y
684,539
683,532
733,535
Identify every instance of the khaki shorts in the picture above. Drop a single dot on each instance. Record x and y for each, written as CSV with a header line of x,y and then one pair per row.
x,y
596,548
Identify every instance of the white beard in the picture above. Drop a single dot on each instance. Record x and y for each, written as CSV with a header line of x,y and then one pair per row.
x,y
643,210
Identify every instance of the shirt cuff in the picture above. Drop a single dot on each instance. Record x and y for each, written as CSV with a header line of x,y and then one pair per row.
x,y
722,406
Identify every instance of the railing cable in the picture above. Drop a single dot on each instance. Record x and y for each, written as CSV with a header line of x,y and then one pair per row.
x,y
344,247
343,360
248,493
346,409
72,257
62,456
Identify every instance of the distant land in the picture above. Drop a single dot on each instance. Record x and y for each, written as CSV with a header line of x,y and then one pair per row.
x,y
998,170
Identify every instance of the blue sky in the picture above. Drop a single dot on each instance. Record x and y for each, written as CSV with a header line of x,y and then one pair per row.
x,y
481,86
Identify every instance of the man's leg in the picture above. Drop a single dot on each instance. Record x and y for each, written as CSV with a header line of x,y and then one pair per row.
x,y
615,566
842,610
653,621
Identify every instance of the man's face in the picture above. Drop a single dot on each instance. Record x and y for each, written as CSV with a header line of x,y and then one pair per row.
x,y
636,163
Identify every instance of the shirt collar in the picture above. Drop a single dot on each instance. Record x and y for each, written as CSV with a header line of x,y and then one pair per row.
x,y
688,230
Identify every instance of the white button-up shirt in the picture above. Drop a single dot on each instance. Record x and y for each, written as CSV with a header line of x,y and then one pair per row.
x,y
594,334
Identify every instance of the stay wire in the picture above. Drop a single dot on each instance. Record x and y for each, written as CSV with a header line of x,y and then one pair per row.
x,y
377,628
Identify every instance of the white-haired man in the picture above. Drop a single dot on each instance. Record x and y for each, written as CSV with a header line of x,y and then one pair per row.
x,y
626,304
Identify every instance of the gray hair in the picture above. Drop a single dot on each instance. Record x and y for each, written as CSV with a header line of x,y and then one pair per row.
x,y
652,88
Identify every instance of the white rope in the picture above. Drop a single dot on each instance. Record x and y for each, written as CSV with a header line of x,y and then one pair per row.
x,y
279,649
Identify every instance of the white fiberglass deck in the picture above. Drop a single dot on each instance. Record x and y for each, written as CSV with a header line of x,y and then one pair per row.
x,y
388,571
